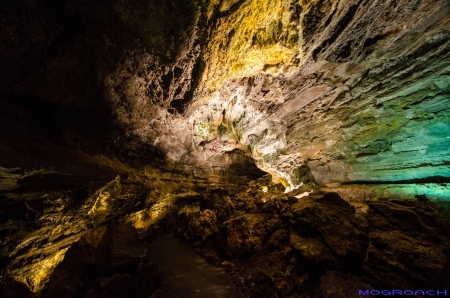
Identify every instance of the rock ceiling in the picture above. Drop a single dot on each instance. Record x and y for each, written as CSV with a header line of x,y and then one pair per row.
x,y
356,91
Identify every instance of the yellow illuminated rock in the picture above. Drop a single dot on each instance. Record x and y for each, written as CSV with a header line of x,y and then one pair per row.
x,y
36,275
103,200
259,37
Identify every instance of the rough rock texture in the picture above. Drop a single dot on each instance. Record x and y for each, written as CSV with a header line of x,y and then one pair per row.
x,y
106,262
333,219
204,226
409,243
245,234
278,245
39,228
363,96
355,91
278,237
188,101
92,241
44,227
311,249
102,81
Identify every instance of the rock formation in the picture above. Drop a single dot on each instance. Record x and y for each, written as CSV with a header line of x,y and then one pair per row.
x,y
120,122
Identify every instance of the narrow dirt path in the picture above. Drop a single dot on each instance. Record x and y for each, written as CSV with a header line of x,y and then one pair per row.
x,y
187,275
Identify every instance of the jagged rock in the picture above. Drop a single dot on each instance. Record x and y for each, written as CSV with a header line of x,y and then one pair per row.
x,y
68,278
313,251
278,237
203,225
428,213
279,204
244,234
331,218
111,262
404,251
333,110
63,217
220,201
274,223
404,218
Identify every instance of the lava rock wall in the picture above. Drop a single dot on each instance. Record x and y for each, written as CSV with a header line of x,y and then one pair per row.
x,y
361,95
356,90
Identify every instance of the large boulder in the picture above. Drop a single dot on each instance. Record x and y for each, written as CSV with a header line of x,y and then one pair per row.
x,y
328,217
203,225
278,238
219,201
245,234
312,250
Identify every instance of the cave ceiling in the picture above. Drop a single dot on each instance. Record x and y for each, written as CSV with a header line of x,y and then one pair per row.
x,y
349,91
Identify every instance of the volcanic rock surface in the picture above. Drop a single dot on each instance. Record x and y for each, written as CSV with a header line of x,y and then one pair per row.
x,y
125,121
321,246
355,90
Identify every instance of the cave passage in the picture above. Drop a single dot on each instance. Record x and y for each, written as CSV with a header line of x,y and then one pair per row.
x,y
297,149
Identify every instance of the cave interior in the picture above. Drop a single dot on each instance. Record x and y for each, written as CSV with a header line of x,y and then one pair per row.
x,y
224,148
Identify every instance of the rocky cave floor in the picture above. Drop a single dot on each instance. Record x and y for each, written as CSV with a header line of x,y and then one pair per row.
x,y
87,243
